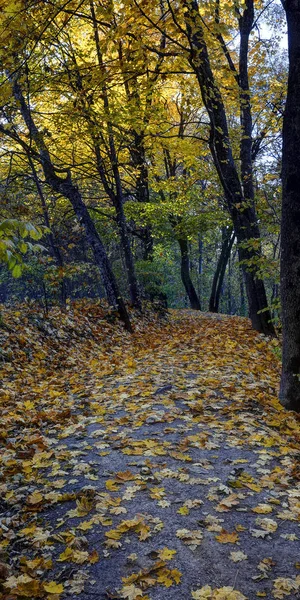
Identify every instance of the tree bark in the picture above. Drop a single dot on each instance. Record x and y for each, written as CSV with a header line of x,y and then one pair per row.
x,y
227,243
290,223
238,192
138,157
185,275
137,148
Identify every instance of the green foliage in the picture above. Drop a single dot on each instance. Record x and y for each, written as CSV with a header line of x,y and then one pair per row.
x,y
151,277
13,246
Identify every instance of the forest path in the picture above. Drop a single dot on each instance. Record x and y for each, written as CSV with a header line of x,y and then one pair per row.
x,y
173,474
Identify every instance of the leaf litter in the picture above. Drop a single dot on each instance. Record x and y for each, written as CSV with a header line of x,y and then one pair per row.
x,y
153,466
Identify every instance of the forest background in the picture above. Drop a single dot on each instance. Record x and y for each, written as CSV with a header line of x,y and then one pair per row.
x,y
141,154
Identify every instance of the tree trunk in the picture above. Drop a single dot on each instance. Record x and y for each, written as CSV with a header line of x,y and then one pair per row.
x,y
185,275
137,148
138,157
238,193
227,243
290,223
117,195
69,190
128,256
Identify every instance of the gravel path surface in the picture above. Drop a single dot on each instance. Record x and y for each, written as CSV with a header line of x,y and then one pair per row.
x,y
174,478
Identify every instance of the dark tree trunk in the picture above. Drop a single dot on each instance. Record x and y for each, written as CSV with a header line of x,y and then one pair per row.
x,y
290,223
117,194
227,243
117,200
69,190
185,275
238,192
128,256
138,157
137,148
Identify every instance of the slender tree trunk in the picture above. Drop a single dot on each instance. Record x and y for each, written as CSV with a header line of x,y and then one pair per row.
x,y
128,256
138,157
118,198
238,193
185,275
290,223
137,148
227,243
69,190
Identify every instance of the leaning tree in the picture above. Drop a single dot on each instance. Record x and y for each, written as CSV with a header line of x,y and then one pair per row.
x,y
290,222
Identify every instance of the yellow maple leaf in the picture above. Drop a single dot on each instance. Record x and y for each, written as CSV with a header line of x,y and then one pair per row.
x,y
239,527
262,509
28,530
113,534
224,593
24,585
111,485
176,575
144,532
28,405
183,510
84,506
157,492
66,555
166,554
168,577
53,588
86,525
165,580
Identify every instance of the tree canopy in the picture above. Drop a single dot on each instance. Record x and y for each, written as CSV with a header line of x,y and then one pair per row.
x,y
144,140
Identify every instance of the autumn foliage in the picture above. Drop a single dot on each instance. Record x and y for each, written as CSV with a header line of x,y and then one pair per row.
x,y
109,439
